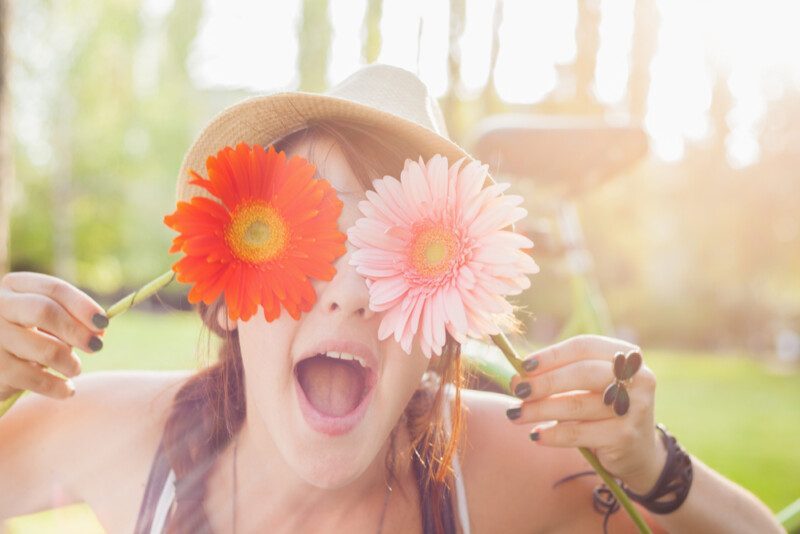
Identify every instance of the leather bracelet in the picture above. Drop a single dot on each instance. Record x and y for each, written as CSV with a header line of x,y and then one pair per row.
x,y
675,479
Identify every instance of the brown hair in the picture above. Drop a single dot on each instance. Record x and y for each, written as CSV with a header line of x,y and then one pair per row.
x,y
209,409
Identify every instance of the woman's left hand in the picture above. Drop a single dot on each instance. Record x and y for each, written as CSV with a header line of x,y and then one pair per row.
x,y
565,383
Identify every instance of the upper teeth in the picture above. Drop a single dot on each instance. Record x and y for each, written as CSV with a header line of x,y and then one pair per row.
x,y
345,356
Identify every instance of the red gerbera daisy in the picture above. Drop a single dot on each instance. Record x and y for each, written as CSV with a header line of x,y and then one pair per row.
x,y
273,228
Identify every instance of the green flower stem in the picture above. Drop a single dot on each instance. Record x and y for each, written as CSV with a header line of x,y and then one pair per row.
x,y
513,358
139,295
122,305
789,517
9,402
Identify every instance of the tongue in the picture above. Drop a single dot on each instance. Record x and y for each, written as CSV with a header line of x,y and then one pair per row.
x,y
333,387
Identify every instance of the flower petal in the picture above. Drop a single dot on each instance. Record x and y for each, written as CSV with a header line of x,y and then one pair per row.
x,y
435,254
308,208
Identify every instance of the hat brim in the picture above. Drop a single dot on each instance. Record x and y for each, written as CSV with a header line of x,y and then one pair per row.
x,y
265,119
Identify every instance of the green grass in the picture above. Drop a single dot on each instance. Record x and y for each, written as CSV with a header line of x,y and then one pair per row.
x,y
737,417
137,340
733,413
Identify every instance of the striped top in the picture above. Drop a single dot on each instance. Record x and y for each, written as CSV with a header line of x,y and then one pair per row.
x,y
159,496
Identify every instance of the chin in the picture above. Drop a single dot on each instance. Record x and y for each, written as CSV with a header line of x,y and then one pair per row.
x,y
323,460
330,470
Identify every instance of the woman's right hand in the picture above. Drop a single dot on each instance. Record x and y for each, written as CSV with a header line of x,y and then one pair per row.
x,y
41,318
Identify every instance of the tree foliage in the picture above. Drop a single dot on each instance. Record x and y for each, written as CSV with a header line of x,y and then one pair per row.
x,y
117,111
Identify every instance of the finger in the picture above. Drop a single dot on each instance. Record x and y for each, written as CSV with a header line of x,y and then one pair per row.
x,y
641,393
76,302
27,344
21,374
34,310
591,434
567,407
575,349
587,375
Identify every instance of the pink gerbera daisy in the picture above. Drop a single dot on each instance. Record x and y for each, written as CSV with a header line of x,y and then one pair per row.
x,y
436,255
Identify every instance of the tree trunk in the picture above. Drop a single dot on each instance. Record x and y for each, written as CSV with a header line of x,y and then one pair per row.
x,y
587,37
451,98
315,44
6,167
490,102
62,197
645,34
372,31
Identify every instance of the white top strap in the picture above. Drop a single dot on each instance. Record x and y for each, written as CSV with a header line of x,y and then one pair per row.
x,y
164,504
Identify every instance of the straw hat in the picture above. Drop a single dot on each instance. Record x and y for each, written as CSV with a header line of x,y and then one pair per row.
x,y
389,98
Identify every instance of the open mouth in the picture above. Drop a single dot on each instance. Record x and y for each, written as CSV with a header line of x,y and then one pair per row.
x,y
334,390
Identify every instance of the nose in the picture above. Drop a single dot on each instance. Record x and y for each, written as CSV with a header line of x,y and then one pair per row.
x,y
347,293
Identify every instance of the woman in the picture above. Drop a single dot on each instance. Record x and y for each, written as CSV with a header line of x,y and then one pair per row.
x,y
233,448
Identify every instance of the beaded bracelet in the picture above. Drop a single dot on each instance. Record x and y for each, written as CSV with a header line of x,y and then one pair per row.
x,y
675,479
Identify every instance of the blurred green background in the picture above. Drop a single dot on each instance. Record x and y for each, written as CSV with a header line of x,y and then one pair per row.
x,y
694,248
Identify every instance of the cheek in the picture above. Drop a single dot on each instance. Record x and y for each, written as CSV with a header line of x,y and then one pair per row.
x,y
265,352
404,372
350,211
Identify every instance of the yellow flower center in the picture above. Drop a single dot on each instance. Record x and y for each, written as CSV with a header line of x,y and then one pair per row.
x,y
432,250
256,233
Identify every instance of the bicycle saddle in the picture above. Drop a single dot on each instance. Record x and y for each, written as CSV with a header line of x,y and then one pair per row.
x,y
570,153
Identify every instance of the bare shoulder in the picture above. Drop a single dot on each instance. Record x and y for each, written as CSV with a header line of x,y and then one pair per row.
x,y
511,481
133,404
139,394
103,437
124,414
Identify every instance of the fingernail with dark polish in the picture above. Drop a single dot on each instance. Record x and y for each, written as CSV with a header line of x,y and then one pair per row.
x,y
535,435
514,413
100,320
522,390
95,344
530,364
